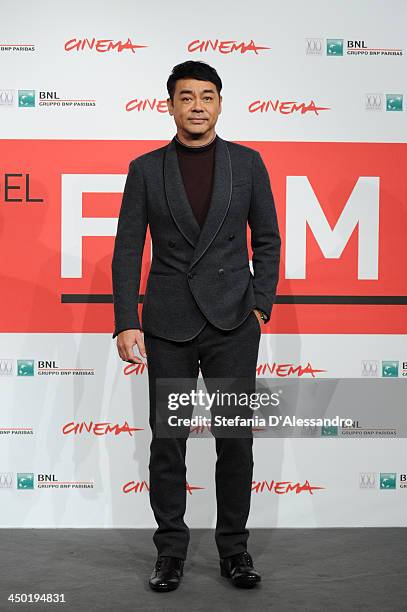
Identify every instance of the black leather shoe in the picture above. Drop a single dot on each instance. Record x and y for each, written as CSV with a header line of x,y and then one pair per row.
x,y
167,573
240,569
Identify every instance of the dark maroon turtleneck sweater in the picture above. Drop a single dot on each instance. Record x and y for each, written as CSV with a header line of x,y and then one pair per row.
x,y
197,166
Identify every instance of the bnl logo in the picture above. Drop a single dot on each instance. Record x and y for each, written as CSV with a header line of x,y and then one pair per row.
x,y
334,46
394,102
26,97
329,431
390,368
25,367
25,480
388,480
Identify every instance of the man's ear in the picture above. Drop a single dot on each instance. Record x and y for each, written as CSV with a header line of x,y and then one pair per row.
x,y
169,106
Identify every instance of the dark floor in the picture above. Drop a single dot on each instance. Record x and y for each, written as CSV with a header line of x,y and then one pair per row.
x,y
302,569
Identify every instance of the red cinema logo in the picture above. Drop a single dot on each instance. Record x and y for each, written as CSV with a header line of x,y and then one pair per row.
x,y
104,45
224,46
135,368
159,106
286,107
136,487
98,429
139,486
283,487
284,370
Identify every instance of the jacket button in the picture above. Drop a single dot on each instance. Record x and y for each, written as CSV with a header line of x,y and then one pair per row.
x,y
171,243
190,275
221,271
231,236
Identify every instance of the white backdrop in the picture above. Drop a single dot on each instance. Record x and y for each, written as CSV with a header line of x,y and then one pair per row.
x,y
56,370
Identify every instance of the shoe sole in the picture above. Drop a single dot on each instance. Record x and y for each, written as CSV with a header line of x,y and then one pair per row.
x,y
164,589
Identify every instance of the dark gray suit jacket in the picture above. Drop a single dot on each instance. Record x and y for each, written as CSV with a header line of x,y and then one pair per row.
x,y
195,275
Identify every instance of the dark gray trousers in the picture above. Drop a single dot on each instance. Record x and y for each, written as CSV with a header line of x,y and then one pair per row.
x,y
218,354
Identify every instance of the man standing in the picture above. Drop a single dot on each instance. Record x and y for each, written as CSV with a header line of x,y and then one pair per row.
x,y
203,308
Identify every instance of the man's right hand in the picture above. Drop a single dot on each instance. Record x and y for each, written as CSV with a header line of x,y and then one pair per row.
x,y
125,342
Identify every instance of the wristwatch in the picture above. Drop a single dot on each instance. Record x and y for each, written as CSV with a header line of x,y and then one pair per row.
x,y
263,315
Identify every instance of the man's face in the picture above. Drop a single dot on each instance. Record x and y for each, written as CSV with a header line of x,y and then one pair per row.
x,y
196,106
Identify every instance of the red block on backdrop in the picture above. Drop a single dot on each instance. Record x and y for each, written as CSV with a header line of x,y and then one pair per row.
x,y
31,232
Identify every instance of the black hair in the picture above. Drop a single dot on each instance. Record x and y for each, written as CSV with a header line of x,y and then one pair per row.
x,y
193,70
